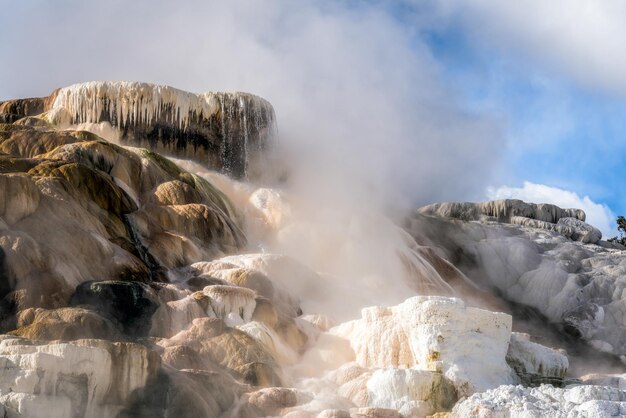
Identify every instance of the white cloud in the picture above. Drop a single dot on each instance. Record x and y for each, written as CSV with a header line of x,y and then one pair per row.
x,y
598,214
581,38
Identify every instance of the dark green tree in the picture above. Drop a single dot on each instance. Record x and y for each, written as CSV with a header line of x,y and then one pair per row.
x,y
621,227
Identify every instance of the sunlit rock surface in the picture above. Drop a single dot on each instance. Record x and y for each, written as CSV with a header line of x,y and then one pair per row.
x,y
226,131
576,285
501,211
135,285
97,199
436,334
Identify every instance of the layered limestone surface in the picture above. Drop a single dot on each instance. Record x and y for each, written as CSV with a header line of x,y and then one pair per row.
x,y
85,378
567,222
119,213
575,283
226,131
434,333
136,285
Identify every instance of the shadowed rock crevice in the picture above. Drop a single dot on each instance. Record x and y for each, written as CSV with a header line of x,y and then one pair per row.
x,y
5,281
131,304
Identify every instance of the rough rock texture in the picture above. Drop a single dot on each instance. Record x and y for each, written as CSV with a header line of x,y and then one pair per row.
x,y
130,304
436,334
128,287
66,324
417,358
535,364
225,131
544,401
567,222
575,286
86,378
501,211
95,197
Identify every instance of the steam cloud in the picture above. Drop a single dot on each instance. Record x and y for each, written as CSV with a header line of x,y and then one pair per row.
x,y
359,100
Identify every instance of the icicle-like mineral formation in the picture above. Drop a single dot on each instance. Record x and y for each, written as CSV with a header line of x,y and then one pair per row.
x,y
225,131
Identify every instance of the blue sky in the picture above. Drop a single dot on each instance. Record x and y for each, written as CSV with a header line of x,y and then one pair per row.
x,y
422,100
558,132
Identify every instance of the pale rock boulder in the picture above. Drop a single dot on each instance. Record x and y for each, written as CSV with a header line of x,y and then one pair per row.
x,y
409,391
250,278
544,401
468,345
85,378
175,316
273,400
235,305
209,344
534,362
583,232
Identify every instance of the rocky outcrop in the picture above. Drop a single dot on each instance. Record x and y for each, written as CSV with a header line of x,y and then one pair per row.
x,y
23,107
86,378
130,304
575,285
567,222
536,364
434,333
228,132
128,287
98,199
501,211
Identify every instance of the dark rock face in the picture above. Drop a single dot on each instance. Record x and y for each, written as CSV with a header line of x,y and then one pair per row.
x,y
5,283
9,117
24,107
130,303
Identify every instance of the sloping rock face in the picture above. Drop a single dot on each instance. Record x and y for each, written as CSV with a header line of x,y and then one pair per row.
x,y
78,208
418,357
228,132
560,270
89,231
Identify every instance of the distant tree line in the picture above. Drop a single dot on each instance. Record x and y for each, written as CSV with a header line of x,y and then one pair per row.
x,y
621,227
